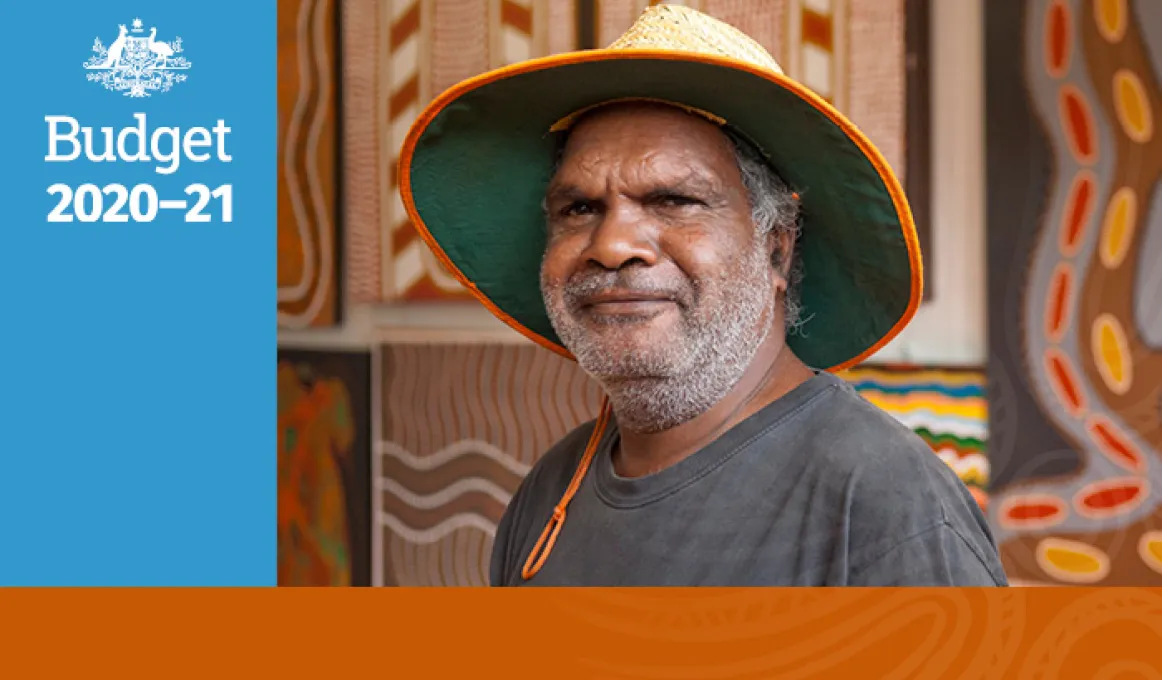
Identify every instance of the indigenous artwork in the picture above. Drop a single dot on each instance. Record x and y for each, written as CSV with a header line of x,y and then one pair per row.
x,y
461,427
1074,106
324,468
947,407
308,162
399,54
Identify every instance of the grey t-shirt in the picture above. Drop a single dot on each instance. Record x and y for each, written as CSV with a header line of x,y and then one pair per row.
x,y
819,488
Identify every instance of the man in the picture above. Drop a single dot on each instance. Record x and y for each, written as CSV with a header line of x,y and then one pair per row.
x,y
708,297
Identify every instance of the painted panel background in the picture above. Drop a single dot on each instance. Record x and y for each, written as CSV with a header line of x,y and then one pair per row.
x,y
398,55
1075,288
461,425
324,468
309,290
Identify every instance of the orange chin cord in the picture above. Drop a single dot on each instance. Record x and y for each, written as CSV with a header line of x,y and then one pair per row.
x,y
548,537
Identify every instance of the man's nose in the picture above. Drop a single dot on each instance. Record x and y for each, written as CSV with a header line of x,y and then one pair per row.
x,y
624,236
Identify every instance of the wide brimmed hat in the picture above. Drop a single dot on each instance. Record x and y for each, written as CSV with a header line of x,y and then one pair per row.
x,y
476,163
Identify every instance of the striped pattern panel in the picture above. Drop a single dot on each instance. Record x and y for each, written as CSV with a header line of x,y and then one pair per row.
x,y
407,90
876,75
308,280
561,25
816,52
461,425
433,45
364,139
513,39
947,408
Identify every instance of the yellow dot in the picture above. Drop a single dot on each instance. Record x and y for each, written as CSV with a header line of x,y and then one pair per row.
x,y
1117,231
1072,561
1110,17
1111,353
1133,106
1150,549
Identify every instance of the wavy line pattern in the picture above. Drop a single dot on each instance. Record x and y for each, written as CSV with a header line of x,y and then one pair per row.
x,y
461,426
1095,94
308,157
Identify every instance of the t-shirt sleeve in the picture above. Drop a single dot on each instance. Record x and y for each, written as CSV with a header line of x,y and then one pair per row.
x,y
938,556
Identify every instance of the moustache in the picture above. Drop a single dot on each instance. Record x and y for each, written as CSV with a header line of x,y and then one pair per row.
x,y
590,283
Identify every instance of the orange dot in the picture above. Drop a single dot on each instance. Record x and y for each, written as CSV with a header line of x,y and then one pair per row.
x,y
1118,226
1111,353
1072,561
1110,17
1132,105
1150,549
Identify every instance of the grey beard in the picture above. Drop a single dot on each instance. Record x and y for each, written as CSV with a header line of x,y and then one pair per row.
x,y
663,387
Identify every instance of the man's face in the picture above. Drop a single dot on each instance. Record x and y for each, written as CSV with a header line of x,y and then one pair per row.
x,y
654,270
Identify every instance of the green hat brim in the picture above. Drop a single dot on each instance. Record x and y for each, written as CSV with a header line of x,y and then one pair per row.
x,y
474,168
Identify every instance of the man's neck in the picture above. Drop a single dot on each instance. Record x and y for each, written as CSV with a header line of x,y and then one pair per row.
x,y
774,371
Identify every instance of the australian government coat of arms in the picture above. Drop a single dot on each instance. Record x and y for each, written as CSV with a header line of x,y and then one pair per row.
x,y
137,64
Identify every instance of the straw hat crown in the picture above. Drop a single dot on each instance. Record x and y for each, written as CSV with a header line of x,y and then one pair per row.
x,y
674,27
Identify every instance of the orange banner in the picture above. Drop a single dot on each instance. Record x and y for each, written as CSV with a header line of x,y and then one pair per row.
x,y
582,633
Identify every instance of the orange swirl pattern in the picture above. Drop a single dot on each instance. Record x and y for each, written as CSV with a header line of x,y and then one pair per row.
x,y
1108,634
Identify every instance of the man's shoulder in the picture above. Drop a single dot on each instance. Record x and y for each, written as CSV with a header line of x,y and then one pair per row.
x,y
896,489
850,434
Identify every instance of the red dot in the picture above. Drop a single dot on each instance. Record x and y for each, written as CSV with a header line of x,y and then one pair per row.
x,y
1059,292
1032,511
1111,497
1115,446
1057,39
1080,204
1078,123
1062,376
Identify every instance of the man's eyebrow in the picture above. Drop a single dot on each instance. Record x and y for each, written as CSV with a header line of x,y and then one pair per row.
x,y
566,192
690,183
693,183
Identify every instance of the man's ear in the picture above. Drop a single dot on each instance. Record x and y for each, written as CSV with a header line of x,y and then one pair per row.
x,y
780,245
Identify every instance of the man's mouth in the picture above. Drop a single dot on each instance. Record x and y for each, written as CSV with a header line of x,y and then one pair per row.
x,y
627,303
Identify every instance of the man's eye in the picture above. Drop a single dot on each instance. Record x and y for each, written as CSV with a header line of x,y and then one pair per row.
x,y
677,200
577,208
